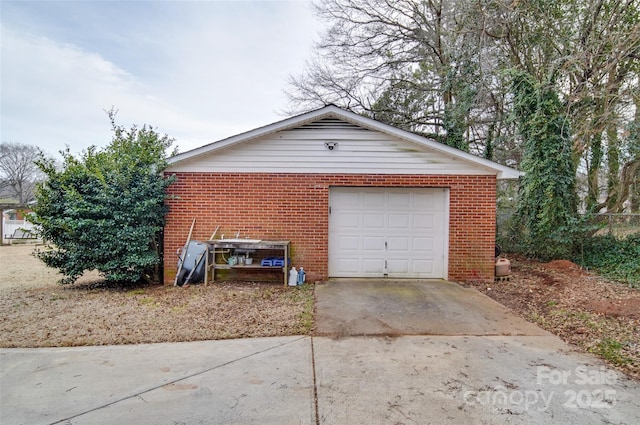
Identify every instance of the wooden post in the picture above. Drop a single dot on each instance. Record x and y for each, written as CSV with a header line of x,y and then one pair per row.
x,y
186,245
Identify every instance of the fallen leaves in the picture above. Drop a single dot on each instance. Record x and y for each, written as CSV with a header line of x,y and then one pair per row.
x,y
580,307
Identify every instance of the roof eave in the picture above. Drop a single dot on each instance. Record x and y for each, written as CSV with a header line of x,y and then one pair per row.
x,y
282,125
502,172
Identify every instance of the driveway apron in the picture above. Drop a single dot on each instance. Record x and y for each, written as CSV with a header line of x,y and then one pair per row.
x,y
348,307
435,352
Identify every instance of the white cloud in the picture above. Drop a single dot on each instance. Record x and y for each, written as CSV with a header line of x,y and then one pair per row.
x,y
199,73
53,91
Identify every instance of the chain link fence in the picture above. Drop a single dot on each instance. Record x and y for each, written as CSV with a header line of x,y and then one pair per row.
x,y
618,225
505,239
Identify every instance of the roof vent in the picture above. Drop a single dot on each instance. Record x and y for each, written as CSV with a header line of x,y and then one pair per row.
x,y
330,124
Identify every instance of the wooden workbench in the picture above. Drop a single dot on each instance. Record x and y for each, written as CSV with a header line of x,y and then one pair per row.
x,y
232,245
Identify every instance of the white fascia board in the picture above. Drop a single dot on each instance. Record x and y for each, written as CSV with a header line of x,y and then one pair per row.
x,y
502,171
332,111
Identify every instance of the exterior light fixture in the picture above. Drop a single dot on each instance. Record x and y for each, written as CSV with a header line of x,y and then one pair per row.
x,y
331,145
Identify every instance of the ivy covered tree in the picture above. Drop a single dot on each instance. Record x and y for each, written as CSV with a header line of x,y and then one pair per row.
x,y
546,215
104,210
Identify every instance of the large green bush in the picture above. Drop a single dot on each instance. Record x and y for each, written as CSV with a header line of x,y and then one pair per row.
x,y
618,259
104,210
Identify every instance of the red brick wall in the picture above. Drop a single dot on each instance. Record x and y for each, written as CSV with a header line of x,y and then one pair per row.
x,y
295,207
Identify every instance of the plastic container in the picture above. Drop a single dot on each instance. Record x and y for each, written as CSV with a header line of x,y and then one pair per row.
x,y
503,267
301,276
293,277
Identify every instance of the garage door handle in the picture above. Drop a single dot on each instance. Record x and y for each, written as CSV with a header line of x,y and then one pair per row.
x,y
385,244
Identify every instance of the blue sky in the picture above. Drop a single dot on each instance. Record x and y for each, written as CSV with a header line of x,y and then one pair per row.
x,y
199,71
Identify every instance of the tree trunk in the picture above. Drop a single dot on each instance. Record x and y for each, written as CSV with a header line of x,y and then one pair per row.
x,y
613,164
628,181
593,194
635,196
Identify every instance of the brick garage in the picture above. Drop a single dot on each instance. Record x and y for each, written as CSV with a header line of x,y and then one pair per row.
x,y
274,183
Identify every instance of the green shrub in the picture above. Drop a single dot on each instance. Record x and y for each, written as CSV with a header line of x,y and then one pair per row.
x,y
105,209
617,259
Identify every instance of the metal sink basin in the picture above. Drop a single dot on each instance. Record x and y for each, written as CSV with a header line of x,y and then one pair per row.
x,y
239,240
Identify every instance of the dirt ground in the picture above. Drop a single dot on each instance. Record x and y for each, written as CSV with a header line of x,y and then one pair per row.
x,y
582,308
38,312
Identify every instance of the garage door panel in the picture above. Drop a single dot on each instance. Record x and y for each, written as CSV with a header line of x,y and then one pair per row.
x,y
396,244
350,243
423,202
346,200
397,266
373,221
395,232
349,265
399,201
373,199
424,221
423,244
426,202
349,220
423,267
373,266
400,221
373,243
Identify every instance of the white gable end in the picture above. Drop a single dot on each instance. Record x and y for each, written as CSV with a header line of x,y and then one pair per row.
x,y
356,150
362,145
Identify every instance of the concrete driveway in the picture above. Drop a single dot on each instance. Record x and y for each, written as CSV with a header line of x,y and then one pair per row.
x,y
485,368
359,307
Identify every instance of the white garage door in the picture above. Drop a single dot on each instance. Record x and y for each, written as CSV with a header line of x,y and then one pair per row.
x,y
388,232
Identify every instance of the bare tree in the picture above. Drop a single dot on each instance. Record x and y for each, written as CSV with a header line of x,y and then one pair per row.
x,y
437,67
432,67
18,172
399,61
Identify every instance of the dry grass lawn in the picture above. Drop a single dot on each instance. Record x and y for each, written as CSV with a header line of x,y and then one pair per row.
x,y
38,312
